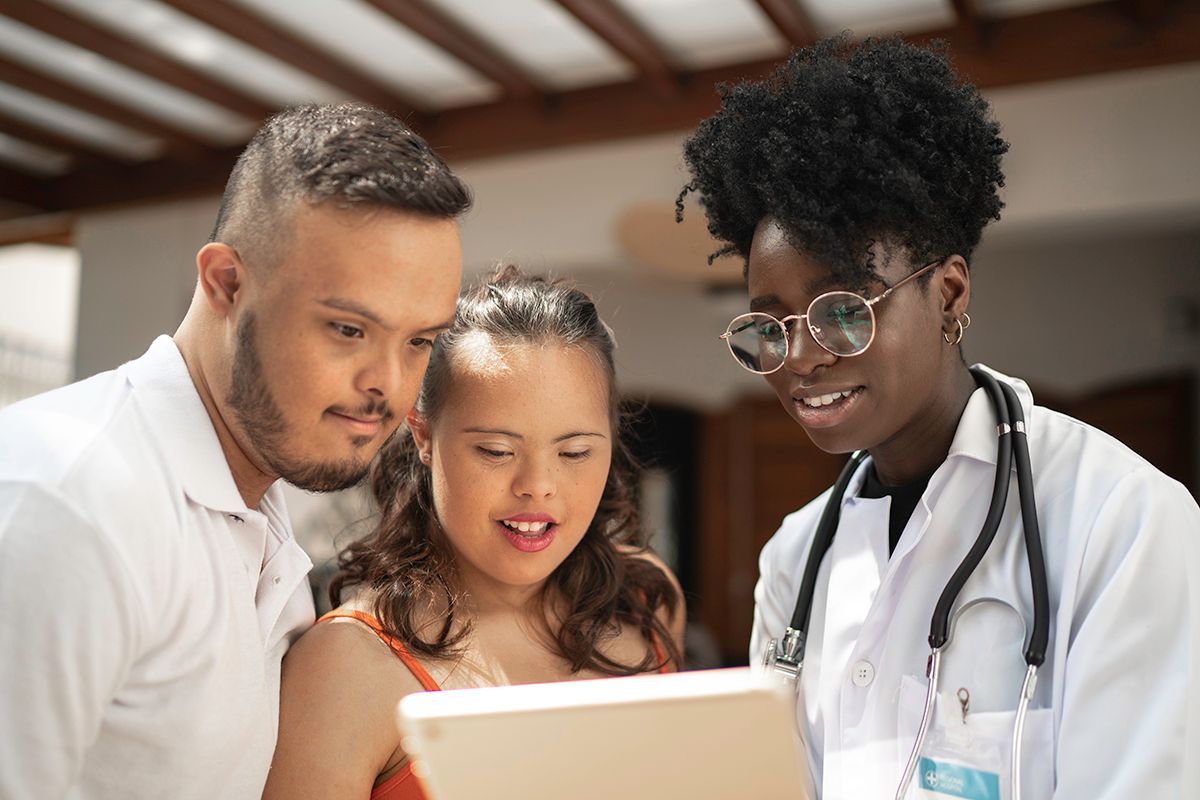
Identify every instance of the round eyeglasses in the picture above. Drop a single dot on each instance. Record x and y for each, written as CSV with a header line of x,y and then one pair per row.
x,y
841,322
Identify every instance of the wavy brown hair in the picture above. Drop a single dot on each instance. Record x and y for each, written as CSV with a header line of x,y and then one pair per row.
x,y
408,566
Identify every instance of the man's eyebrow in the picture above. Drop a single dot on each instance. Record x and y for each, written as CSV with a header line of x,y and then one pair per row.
x,y
340,304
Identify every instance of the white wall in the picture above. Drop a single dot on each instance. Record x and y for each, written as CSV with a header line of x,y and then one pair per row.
x,y
137,277
39,295
1081,313
1112,149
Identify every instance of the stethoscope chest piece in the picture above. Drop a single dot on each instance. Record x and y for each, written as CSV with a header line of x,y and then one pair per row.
x,y
785,657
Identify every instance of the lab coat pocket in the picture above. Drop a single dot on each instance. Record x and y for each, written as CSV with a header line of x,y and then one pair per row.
x,y
971,756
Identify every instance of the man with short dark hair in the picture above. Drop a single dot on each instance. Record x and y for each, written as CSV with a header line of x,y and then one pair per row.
x,y
149,580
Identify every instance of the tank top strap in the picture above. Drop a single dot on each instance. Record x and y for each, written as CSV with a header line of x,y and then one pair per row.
x,y
658,653
414,666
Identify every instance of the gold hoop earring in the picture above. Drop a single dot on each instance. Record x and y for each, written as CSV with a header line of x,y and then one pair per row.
x,y
957,338
967,317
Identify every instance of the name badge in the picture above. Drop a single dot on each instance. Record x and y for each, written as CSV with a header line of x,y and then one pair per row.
x,y
956,780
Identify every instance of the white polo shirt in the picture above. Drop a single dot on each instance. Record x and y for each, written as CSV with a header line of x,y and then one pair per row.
x,y
144,609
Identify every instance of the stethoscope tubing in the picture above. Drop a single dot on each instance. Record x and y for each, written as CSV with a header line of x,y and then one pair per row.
x,y
939,626
1039,637
822,541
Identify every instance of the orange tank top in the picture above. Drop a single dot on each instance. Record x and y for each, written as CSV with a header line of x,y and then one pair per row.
x,y
403,785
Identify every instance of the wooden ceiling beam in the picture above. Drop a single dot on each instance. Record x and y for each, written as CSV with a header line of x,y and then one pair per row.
x,y
1146,12
1064,43
265,36
132,54
585,115
25,189
791,20
40,228
1069,42
425,20
82,152
91,103
620,32
970,21
106,185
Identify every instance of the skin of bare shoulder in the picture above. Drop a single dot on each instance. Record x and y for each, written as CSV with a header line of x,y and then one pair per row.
x,y
675,623
339,730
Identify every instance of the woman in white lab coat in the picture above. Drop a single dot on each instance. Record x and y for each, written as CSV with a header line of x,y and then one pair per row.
x,y
870,169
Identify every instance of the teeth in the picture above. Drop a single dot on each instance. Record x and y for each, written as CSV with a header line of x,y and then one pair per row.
x,y
525,527
825,399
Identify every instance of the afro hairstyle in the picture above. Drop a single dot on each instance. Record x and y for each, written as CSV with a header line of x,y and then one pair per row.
x,y
849,145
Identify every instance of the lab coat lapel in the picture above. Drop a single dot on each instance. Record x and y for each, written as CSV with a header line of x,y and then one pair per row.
x,y
917,525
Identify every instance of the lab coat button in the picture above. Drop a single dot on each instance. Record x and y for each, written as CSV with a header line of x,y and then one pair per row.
x,y
862,673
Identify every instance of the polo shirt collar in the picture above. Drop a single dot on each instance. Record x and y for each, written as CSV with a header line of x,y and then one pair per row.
x,y
180,423
976,434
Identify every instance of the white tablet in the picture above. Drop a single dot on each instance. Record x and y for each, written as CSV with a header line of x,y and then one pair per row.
x,y
705,735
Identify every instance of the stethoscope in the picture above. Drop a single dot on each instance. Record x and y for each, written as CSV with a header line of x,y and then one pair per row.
x,y
786,656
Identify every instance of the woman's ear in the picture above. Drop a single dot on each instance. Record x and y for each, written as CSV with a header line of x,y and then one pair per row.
x,y
955,289
419,425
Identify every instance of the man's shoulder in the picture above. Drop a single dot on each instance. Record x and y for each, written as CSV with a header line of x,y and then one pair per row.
x,y
85,446
91,426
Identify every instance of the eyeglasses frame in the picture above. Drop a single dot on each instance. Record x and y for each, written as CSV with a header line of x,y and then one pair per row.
x,y
783,323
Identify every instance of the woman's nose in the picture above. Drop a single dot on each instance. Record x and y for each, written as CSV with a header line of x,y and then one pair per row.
x,y
535,479
804,355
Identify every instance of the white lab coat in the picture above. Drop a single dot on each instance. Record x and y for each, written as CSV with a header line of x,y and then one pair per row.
x,y
1116,713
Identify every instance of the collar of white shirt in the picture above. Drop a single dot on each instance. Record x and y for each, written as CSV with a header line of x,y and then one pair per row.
x,y
976,434
180,422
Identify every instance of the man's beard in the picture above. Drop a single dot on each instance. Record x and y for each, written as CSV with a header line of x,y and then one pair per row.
x,y
260,418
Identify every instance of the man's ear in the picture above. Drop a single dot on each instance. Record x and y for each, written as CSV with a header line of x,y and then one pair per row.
x,y
222,275
955,287
419,425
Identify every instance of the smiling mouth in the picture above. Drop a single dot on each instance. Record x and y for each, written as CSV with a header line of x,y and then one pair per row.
x,y
529,528
826,399
528,537
826,410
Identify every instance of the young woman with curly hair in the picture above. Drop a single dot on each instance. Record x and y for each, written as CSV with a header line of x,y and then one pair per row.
x,y
508,548
856,182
